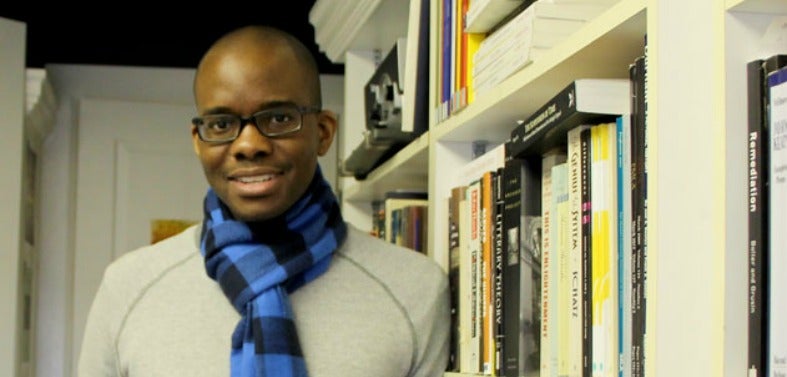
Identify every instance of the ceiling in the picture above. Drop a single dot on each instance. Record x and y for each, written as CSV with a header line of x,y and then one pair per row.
x,y
147,38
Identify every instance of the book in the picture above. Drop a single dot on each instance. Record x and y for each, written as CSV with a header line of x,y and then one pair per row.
x,y
454,275
483,15
487,313
508,49
776,118
575,262
638,212
521,279
393,202
624,243
474,238
604,250
499,270
415,108
470,48
549,267
491,158
756,72
586,188
466,275
583,101
562,249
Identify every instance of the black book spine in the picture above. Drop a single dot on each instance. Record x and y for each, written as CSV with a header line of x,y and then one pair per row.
x,y
522,267
547,127
757,102
453,275
637,218
499,271
512,203
587,279
757,199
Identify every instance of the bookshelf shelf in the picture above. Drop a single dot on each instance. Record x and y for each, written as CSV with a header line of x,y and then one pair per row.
x,y
612,40
407,169
357,25
758,6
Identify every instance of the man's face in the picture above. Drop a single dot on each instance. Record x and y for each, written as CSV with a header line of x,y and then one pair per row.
x,y
259,177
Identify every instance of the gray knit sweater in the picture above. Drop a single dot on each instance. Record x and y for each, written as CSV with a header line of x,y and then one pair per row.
x,y
379,310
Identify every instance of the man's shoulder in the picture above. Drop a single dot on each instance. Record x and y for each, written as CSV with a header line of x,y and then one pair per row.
x,y
137,268
391,264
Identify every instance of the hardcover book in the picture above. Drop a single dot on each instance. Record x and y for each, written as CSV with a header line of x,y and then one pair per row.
x,y
777,210
757,72
521,279
583,101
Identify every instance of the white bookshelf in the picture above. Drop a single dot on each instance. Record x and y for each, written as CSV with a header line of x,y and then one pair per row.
x,y
696,238
407,169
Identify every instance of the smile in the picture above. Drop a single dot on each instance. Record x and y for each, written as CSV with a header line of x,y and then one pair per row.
x,y
255,179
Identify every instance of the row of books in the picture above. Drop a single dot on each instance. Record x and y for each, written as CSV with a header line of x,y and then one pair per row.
x,y
546,238
767,204
401,218
482,42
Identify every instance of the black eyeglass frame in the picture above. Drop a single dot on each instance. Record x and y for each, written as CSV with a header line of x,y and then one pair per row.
x,y
302,110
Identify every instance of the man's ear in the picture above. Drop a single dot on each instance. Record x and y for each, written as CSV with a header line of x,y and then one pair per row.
x,y
195,140
327,123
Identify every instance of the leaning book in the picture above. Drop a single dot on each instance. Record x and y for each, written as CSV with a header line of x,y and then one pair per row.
x,y
583,101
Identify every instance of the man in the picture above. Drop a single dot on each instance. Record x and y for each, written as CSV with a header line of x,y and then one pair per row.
x,y
273,282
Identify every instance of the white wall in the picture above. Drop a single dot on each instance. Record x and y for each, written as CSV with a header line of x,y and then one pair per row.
x,y
55,354
12,105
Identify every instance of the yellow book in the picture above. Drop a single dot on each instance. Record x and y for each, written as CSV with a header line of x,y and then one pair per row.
x,y
603,192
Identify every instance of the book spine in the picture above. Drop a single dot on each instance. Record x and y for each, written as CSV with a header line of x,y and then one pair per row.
x,y
512,223
549,267
604,250
624,243
488,346
522,283
548,298
454,256
777,210
474,209
575,334
560,240
499,272
587,280
638,218
756,219
465,286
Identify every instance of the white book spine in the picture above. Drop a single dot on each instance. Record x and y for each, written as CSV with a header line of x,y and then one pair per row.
x,y
574,359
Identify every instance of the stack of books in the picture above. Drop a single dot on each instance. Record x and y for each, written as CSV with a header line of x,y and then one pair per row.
x,y
526,36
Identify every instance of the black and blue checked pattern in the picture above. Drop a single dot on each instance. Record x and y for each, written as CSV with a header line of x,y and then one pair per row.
x,y
258,264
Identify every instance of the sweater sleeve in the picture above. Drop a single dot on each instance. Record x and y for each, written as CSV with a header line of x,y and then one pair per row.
x,y
98,354
432,329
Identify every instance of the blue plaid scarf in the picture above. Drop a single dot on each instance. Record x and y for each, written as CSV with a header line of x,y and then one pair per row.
x,y
257,264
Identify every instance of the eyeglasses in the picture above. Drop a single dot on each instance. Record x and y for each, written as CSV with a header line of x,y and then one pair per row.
x,y
273,122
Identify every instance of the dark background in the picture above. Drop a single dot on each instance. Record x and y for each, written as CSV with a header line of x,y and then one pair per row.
x,y
125,35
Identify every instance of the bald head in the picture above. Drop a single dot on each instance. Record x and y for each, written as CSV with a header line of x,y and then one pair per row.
x,y
257,46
